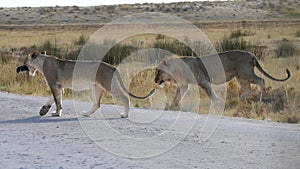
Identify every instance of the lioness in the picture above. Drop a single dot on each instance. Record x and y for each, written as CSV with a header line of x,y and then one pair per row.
x,y
59,74
236,63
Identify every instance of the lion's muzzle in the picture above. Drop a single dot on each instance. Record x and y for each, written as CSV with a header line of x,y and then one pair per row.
x,y
22,69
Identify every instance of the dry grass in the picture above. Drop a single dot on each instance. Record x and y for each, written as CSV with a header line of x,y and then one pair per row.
x,y
24,38
143,81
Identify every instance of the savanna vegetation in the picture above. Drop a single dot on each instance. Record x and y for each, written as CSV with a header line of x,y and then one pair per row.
x,y
276,49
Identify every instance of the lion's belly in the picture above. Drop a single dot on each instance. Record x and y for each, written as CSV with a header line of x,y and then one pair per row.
x,y
222,77
82,77
78,84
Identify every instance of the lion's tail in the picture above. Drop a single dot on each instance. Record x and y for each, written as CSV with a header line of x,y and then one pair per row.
x,y
130,94
256,63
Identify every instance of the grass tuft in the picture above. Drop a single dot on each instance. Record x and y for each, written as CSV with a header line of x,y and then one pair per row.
x,y
297,34
281,105
239,33
227,43
285,49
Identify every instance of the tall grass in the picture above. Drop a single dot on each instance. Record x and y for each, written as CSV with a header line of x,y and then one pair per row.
x,y
50,47
173,46
118,53
239,33
297,34
227,43
281,105
286,48
4,56
80,41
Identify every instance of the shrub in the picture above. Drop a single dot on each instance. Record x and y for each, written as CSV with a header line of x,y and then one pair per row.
x,y
297,34
238,33
48,46
293,119
257,50
285,48
72,54
52,48
118,53
174,46
227,43
107,51
5,56
80,41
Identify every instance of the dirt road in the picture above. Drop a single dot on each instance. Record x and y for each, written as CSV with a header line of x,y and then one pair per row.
x,y
71,141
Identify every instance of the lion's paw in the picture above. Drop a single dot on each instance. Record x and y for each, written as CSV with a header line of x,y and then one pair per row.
x,y
44,110
56,114
125,115
86,115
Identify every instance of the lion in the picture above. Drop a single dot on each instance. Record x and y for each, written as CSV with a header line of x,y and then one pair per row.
x,y
58,74
205,71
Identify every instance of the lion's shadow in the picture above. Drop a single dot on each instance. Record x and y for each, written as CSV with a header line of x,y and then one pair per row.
x,y
38,119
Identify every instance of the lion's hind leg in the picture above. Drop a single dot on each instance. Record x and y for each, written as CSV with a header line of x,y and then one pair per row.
x,y
206,85
125,100
97,92
118,95
57,91
261,83
245,89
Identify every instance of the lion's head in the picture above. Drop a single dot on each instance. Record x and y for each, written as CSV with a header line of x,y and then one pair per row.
x,y
30,63
165,72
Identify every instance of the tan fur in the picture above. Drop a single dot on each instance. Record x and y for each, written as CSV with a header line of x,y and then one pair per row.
x,y
99,76
208,69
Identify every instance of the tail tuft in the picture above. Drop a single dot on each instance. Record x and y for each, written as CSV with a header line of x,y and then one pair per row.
x,y
288,73
151,93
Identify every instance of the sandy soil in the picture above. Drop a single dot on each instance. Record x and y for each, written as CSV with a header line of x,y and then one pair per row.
x,y
71,141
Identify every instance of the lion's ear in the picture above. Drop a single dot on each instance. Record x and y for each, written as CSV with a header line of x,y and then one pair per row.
x,y
33,55
43,52
164,62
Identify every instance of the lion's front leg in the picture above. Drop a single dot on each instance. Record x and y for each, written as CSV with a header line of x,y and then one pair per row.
x,y
180,92
57,95
58,102
45,109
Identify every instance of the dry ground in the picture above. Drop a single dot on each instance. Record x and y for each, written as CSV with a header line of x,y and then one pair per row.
x,y
30,141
